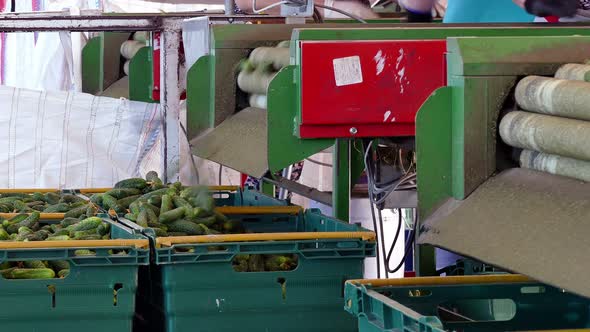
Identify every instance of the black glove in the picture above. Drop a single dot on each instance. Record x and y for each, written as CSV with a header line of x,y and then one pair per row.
x,y
417,17
559,8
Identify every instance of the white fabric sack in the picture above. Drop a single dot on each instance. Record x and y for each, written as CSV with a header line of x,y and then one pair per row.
x,y
72,140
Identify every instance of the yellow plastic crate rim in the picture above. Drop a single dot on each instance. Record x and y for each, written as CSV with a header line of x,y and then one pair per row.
x,y
214,238
438,281
42,216
137,243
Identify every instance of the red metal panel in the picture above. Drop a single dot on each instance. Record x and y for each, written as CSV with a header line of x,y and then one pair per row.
x,y
367,88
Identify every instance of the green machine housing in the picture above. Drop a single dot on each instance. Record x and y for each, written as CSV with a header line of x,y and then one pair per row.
x,y
470,201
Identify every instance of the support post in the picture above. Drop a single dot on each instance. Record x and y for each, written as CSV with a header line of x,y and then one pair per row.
x,y
170,101
341,180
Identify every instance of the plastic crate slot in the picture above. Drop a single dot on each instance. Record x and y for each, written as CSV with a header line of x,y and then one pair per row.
x,y
477,310
52,290
283,282
532,290
419,292
220,195
116,288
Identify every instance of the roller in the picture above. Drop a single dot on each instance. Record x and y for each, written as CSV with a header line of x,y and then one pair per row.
x,y
284,44
570,99
549,163
278,56
126,67
258,101
141,36
255,82
548,134
130,47
574,71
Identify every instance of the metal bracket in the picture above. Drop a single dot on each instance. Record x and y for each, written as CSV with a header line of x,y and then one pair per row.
x,y
297,8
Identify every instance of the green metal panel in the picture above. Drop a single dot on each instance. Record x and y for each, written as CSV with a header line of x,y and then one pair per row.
x,y
140,76
199,104
92,66
434,169
435,32
284,148
341,179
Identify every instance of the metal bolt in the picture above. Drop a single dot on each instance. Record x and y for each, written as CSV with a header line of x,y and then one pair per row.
x,y
353,131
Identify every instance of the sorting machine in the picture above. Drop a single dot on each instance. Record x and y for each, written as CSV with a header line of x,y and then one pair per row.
x,y
449,86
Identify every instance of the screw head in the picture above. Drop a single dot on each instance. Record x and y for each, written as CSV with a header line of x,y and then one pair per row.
x,y
353,131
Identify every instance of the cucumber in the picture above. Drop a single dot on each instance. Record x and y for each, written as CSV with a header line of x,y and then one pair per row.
x,y
167,203
59,265
17,273
76,212
157,192
86,224
256,263
155,200
80,235
151,176
34,265
142,218
52,198
131,216
136,183
62,231
103,229
33,203
38,197
119,193
172,215
96,199
69,221
28,222
18,218
134,207
185,226
157,225
160,232
69,198
4,234
63,273
109,202
152,217
84,252
90,237
57,208
125,202
208,221
91,210
20,206
58,238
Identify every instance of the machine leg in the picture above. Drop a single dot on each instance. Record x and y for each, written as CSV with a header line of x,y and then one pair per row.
x,y
267,188
341,180
170,101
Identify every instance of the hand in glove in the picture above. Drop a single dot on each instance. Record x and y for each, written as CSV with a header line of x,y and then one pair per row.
x,y
418,10
559,8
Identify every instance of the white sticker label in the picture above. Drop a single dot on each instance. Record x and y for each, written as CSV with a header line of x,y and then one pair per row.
x,y
348,71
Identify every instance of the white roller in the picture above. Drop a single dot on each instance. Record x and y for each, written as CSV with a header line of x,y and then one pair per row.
x,y
141,36
554,164
130,47
126,67
258,101
548,134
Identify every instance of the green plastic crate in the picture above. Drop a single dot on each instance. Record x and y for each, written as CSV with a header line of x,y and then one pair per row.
x,y
200,291
467,303
83,301
245,197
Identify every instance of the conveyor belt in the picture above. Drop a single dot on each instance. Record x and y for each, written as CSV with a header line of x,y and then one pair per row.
x,y
521,220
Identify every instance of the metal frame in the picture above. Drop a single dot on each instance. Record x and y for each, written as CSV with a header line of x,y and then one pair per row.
x,y
171,28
